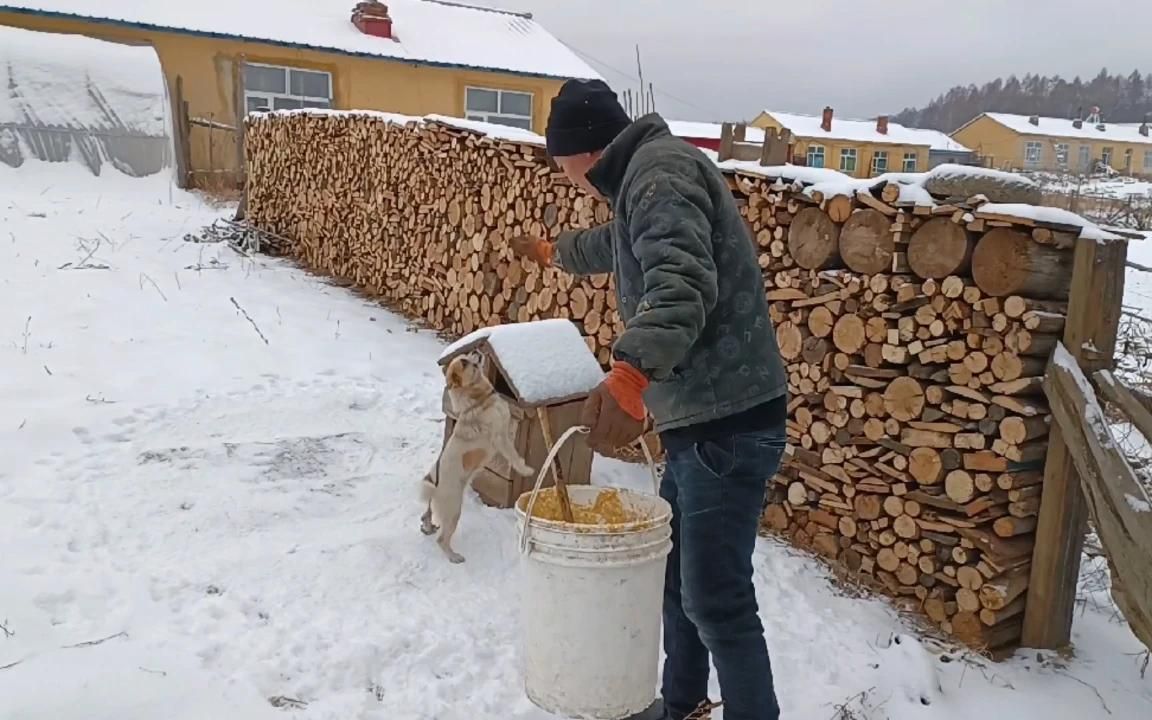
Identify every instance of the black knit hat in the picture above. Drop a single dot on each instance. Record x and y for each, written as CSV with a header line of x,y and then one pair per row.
x,y
586,116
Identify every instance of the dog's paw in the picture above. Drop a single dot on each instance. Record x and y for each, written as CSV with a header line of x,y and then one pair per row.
x,y
428,528
453,557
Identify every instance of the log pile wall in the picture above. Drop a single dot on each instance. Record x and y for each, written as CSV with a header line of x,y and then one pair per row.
x,y
916,331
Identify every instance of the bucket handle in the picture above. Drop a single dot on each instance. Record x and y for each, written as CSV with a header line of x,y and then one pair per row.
x,y
583,430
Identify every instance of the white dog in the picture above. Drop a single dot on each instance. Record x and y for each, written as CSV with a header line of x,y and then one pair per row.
x,y
483,429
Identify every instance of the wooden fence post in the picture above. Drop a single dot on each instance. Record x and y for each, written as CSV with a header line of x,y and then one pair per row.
x,y
1094,307
180,139
240,107
727,141
776,148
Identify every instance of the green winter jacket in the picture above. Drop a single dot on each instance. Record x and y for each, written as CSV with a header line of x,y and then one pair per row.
x,y
689,287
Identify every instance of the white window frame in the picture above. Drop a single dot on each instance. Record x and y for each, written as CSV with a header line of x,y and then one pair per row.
x,y
314,101
849,154
501,118
1062,155
1106,156
879,162
911,160
815,152
1148,162
1033,153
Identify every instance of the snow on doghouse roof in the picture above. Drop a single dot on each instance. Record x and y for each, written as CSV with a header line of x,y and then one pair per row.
x,y
431,32
543,361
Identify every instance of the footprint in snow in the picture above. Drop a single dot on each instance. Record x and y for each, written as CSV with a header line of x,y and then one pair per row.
x,y
917,670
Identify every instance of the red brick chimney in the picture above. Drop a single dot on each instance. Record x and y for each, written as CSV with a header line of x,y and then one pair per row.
x,y
826,121
882,124
371,18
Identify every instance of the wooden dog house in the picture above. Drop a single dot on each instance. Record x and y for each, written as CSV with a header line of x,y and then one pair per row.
x,y
545,371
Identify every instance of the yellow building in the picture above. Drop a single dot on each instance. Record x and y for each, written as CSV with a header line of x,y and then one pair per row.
x,y
861,148
1022,142
414,57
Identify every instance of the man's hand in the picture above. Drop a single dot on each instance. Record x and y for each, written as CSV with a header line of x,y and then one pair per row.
x,y
615,410
535,249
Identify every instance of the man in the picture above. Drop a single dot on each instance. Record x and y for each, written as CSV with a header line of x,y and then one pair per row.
x,y
699,353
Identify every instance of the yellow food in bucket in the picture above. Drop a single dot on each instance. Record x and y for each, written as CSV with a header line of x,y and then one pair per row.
x,y
608,509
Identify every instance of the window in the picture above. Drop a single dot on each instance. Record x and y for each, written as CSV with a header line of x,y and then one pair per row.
x,y
1033,153
501,107
848,160
816,156
1148,162
1085,158
1062,155
268,87
879,162
1106,156
910,162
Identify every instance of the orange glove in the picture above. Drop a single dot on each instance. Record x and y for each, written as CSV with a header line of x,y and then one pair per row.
x,y
627,385
615,410
535,249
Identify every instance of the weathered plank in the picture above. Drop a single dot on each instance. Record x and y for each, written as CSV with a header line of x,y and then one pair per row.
x,y
1120,507
1094,306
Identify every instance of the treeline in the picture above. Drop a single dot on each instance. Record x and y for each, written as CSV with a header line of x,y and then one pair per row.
x,y
1121,98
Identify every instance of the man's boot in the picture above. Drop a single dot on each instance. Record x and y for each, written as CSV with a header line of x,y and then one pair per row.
x,y
655,711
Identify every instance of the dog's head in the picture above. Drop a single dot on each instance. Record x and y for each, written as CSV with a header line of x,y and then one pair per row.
x,y
465,371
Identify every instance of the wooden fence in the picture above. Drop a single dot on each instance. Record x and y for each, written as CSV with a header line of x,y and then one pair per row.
x,y
1117,502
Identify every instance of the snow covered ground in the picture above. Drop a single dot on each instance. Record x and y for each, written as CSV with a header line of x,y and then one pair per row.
x,y
197,523
1119,187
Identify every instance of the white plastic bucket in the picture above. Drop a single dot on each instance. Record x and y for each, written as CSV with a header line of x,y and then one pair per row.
x,y
591,607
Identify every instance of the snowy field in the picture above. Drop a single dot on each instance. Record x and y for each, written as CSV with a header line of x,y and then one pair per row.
x,y
197,523
1119,187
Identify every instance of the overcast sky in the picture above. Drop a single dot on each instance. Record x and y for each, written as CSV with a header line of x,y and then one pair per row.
x,y
727,59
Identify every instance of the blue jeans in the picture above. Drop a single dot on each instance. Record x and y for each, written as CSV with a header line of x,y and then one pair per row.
x,y
717,490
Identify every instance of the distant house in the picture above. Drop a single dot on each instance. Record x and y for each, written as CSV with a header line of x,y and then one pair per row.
x,y
1023,142
414,57
943,149
707,135
860,148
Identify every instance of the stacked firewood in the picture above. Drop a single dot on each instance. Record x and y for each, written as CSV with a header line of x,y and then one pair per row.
x,y
916,338
915,324
420,215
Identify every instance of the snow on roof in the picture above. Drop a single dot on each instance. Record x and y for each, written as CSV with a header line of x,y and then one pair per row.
x,y
1062,128
433,32
543,361
937,140
55,79
709,131
808,126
